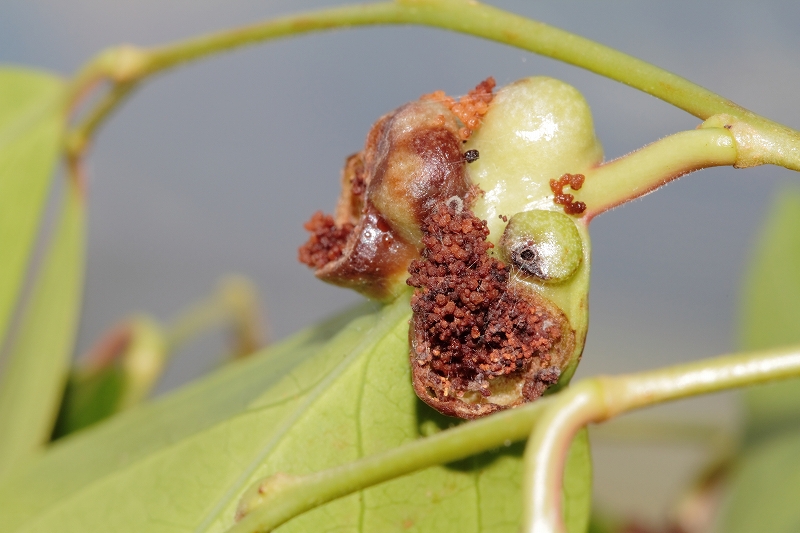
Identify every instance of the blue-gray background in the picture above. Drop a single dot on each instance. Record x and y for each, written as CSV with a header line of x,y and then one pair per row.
x,y
213,168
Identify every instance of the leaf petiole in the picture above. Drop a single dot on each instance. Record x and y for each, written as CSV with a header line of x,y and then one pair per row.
x,y
640,172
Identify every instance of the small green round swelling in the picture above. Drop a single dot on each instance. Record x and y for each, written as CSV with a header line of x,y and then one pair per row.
x,y
544,244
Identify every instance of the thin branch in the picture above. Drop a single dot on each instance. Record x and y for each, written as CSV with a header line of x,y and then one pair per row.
x,y
275,500
641,172
235,304
599,399
79,138
779,144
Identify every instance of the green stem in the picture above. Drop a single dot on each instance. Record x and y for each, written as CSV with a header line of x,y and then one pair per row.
x,y
170,55
541,504
296,495
648,168
602,398
79,138
128,64
233,303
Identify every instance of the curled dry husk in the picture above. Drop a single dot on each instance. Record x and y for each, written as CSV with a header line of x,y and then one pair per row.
x,y
484,336
411,161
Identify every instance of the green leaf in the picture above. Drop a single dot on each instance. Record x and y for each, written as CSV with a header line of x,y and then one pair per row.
x,y
39,358
577,484
89,397
770,314
765,481
90,455
765,488
352,398
31,125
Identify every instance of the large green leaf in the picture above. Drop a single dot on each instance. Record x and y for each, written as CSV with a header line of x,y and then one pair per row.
x,y
352,398
82,458
765,488
39,358
765,482
770,314
31,125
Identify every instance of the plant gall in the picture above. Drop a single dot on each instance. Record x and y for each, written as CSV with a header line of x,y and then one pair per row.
x,y
453,198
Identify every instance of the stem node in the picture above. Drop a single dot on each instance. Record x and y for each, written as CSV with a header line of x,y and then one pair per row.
x,y
125,63
759,143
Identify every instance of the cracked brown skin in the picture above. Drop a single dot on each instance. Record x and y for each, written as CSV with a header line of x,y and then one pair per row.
x,y
473,326
411,160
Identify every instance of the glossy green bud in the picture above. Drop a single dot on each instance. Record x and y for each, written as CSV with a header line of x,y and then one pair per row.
x,y
536,129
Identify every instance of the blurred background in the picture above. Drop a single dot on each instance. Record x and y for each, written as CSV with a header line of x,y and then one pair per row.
x,y
213,168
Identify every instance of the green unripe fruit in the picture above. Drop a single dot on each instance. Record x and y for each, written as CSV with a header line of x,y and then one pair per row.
x,y
543,244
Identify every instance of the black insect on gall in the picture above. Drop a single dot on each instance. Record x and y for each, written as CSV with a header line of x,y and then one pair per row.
x,y
471,156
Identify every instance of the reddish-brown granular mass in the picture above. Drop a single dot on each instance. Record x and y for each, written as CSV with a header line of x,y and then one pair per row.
x,y
468,326
358,184
469,109
327,241
575,181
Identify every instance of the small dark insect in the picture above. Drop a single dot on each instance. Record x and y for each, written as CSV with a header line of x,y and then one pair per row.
x,y
471,156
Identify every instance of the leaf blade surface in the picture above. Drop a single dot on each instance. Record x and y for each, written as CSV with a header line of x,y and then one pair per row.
x,y
31,126
39,358
770,315
91,455
353,398
765,480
